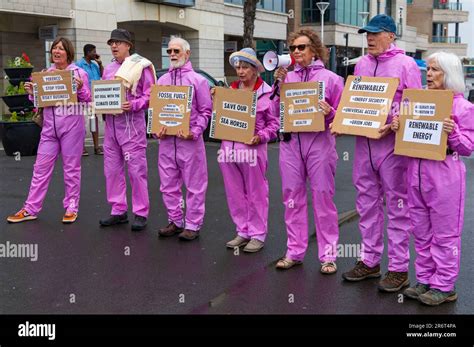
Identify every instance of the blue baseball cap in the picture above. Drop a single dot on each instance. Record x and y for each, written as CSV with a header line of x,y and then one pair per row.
x,y
379,23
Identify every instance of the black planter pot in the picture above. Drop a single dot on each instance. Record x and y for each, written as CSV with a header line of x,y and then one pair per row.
x,y
22,137
18,72
16,81
17,103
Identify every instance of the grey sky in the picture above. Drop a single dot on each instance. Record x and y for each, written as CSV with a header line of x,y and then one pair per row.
x,y
466,30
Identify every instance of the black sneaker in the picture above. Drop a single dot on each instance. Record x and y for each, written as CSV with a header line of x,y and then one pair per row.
x,y
139,223
416,291
114,219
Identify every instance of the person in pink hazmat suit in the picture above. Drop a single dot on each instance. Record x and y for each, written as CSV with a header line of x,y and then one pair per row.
x,y
182,158
63,132
377,172
125,139
310,156
244,165
436,191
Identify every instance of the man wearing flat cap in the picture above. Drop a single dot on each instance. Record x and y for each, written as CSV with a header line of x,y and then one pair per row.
x,y
125,134
377,172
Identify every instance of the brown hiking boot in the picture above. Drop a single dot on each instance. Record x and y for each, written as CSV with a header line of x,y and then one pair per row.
x,y
394,281
188,235
170,230
361,272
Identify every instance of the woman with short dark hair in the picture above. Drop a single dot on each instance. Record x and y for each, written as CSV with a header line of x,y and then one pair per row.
x,y
63,132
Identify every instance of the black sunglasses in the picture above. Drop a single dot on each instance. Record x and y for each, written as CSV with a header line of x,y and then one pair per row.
x,y
175,51
115,42
301,48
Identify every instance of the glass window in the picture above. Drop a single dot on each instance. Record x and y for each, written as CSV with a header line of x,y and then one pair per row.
x,y
311,13
268,5
47,47
344,11
388,7
165,61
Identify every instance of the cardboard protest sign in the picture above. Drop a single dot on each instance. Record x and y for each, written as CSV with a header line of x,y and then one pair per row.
x,y
299,108
233,115
51,88
364,106
107,97
421,132
170,107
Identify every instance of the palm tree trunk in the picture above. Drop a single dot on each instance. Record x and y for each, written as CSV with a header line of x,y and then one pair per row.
x,y
250,7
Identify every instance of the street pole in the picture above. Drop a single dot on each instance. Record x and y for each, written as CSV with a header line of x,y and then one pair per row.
x,y
364,16
346,52
322,5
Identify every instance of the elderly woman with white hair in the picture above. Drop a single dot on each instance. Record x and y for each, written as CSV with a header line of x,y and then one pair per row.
x,y
246,185
436,191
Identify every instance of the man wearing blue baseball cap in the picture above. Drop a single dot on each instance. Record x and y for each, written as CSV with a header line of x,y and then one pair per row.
x,y
377,172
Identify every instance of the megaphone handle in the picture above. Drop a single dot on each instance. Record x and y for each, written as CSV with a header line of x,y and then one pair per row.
x,y
276,89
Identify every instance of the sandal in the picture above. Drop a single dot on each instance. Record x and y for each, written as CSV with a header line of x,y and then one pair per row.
x,y
287,263
328,267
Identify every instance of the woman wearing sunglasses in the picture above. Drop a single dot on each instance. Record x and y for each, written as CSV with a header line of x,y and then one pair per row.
x,y
310,156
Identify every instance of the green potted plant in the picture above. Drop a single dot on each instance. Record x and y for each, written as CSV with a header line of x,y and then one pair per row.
x,y
18,132
18,69
17,99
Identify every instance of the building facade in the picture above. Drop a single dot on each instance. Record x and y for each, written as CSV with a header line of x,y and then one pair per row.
x,y
214,28
440,21
422,25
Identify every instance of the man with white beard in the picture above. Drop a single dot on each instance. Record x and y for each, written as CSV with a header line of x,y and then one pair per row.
x,y
182,158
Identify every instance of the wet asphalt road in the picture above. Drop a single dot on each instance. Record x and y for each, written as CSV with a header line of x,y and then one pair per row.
x,y
82,268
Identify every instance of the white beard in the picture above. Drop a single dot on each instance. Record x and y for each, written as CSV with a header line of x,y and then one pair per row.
x,y
178,64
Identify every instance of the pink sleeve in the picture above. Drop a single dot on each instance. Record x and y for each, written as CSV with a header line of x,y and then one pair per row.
x,y
336,87
84,94
461,140
204,108
272,122
142,101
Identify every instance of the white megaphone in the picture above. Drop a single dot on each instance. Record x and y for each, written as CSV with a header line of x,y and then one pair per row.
x,y
271,60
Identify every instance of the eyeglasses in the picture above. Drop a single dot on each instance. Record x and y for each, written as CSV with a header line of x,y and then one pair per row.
x,y
175,51
115,42
301,48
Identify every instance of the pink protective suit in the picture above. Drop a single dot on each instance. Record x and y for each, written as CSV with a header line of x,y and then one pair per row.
x,y
125,142
378,173
436,191
244,167
311,156
63,132
182,160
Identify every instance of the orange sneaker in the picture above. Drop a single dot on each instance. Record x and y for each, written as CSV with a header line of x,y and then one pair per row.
x,y
70,217
21,216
